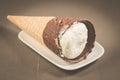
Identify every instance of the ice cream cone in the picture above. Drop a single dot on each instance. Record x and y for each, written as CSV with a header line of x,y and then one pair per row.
x,y
34,26
56,33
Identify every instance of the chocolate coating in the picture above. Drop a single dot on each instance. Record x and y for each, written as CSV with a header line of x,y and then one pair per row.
x,y
54,26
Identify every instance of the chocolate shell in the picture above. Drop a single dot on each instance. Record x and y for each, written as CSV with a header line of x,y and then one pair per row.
x,y
56,25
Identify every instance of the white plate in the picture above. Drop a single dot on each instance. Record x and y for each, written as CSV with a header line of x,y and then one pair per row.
x,y
96,53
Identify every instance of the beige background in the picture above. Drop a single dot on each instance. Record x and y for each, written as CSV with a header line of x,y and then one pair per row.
x,y
19,62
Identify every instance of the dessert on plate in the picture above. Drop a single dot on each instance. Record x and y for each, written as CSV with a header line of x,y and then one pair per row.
x,y
70,38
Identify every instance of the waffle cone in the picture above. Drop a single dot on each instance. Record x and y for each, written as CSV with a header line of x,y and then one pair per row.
x,y
34,26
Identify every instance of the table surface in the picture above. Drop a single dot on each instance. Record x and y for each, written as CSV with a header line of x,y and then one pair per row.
x,y
19,62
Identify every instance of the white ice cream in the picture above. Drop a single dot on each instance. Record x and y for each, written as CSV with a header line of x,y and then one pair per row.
x,y
73,41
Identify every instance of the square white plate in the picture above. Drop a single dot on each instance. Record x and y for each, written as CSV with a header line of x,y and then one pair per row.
x,y
96,53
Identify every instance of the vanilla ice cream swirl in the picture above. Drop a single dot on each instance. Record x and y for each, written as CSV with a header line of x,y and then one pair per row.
x,y
73,40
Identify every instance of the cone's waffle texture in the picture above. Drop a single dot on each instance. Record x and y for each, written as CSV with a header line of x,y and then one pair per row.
x,y
34,26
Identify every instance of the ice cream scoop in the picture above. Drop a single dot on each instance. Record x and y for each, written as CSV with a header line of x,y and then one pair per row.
x,y
73,40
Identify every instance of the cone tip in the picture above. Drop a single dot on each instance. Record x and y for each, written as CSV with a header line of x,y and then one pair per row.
x,y
10,16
